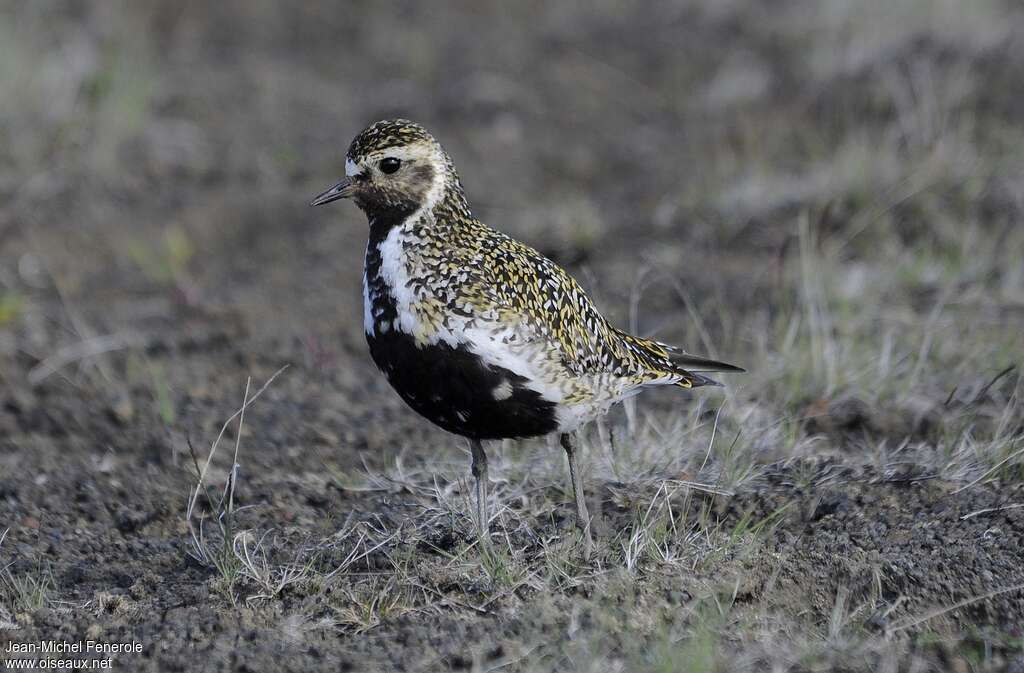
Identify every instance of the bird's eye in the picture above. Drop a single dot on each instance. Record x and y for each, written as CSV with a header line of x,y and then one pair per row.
x,y
389,165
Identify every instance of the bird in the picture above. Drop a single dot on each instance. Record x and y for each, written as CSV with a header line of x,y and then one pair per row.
x,y
477,332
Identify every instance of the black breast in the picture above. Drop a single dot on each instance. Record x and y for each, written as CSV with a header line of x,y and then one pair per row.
x,y
453,388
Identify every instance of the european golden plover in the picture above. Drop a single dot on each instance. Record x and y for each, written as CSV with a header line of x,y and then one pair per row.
x,y
477,332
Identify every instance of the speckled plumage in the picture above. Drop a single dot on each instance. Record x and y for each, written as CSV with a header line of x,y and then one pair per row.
x,y
479,333
465,283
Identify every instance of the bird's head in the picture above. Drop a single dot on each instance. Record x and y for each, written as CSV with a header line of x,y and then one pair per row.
x,y
392,168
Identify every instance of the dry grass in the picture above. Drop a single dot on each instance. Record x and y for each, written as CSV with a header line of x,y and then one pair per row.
x,y
23,592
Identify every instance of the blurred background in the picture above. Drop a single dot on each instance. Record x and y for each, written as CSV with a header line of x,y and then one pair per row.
x,y
826,192
809,188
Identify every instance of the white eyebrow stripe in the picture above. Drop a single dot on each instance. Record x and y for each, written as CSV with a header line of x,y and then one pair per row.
x,y
350,168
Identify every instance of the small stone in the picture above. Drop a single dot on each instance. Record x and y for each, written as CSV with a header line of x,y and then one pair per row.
x,y
123,410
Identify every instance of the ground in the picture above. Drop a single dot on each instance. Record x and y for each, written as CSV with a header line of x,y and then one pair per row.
x,y
829,194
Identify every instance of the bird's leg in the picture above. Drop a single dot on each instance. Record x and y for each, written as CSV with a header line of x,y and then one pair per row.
x,y
582,516
480,473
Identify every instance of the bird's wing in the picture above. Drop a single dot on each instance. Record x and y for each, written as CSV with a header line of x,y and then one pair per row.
x,y
530,289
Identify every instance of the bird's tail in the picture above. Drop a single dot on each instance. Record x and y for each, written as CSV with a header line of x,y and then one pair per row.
x,y
668,360
696,363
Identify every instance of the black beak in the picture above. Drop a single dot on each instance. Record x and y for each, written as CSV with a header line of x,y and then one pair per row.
x,y
342,190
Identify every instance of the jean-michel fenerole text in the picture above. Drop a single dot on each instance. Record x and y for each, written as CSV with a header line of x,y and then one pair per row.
x,y
72,647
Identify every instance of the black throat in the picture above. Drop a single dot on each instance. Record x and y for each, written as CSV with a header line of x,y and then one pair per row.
x,y
384,218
